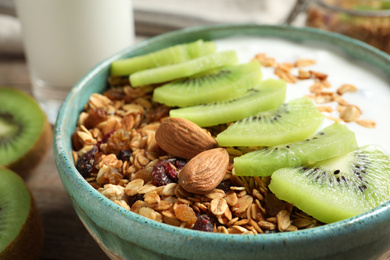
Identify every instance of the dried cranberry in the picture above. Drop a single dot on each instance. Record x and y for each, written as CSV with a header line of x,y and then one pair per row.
x,y
160,176
204,223
165,171
179,163
85,163
171,172
107,136
160,151
124,155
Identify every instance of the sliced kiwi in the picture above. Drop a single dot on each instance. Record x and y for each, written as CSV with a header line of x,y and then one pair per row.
x,y
336,188
167,56
25,134
184,69
21,231
216,85
334,140
266,95
293,121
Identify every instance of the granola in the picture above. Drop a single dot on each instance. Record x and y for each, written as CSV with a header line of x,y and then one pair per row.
x,y
122,123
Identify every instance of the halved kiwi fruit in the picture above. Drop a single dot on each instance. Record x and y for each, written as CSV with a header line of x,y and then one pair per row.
x,y
21,231
25,133
293,121
336,188
334,140
167,56
267,95
212,86
184,69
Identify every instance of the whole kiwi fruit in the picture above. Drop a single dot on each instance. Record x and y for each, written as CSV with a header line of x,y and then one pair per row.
x,y
21,230
25,133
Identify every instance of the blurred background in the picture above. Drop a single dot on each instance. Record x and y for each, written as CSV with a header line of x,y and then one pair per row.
x,y
153,17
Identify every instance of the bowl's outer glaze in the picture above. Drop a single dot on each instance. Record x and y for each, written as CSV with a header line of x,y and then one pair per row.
x,y
125,235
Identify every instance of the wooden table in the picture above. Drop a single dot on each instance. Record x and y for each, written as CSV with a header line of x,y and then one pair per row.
x,y
65,235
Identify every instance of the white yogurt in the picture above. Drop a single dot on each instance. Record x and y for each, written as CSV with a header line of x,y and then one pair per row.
x,y
373,96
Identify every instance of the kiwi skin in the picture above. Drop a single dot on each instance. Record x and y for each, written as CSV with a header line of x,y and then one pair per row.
x,y
29,242
33,157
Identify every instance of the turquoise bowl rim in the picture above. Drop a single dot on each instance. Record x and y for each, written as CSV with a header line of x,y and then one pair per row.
x,y
346,229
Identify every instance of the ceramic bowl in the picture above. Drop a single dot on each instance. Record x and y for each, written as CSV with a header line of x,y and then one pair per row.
x,y
125,235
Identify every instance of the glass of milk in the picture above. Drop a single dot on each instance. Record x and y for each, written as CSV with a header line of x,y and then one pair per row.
x,y
64,39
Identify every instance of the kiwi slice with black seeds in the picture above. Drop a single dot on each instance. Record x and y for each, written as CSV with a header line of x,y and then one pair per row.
x,y
266,95
184,69
21,230
334,140
212,86
167,56
337,188
25,133
293,121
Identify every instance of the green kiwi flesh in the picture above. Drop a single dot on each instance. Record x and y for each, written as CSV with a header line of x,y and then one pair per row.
x,y
334,140
25,133
217,85
266,95
337,188
184,69
21,231
293,121
167,56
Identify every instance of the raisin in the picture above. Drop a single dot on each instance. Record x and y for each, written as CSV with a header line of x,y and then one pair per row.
x,y
159,112
124,155
95,116
273,205
111,175
115,93
133,199
119,140
204,223
76,143
85,163
224,185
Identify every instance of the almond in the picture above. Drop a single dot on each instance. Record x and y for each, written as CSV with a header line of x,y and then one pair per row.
x,y
204,172
182,138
